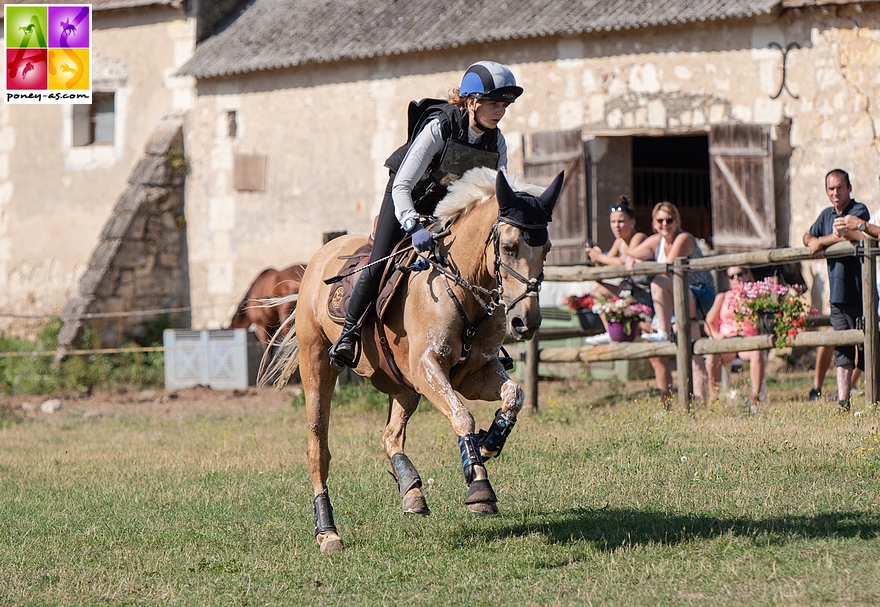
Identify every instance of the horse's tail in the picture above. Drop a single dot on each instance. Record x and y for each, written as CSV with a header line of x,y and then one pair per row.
x,y
281,358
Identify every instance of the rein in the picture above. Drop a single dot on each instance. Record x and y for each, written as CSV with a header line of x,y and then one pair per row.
x,y
533,287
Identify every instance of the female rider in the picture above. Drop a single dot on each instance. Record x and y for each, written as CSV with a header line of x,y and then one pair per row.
x,y
449,138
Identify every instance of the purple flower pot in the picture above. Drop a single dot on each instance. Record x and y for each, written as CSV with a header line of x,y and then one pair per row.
x,y
617,331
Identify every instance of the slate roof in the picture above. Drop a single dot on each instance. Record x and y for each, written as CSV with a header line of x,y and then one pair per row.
x,y
276,34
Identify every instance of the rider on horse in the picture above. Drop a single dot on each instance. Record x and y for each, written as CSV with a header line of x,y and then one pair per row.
x,y
445,140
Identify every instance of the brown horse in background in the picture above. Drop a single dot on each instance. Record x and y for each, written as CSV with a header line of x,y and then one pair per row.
x,y
257,307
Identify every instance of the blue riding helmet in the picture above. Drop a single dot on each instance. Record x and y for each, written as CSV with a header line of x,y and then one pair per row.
x,y
490,81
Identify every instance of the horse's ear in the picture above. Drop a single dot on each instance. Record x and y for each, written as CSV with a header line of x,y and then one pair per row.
x,y
504,194
548,197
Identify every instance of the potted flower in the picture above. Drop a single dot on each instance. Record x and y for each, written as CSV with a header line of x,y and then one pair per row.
x,y
623,314
772,308
582,306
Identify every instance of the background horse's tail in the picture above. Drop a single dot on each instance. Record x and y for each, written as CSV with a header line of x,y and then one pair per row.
x,y
281,358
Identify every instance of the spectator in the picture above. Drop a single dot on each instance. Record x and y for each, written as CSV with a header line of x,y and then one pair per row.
x,y
623,226
721,323
824,354
844,276
667,243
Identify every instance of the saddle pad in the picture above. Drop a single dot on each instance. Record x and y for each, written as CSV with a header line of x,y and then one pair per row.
x,y
337,303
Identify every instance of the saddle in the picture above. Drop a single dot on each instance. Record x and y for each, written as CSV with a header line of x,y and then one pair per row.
x,y
395,270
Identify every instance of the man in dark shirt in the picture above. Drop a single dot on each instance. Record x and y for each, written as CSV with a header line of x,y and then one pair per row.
x,y
844,276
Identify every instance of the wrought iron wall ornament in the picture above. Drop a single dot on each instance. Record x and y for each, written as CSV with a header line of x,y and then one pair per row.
x,y
784,51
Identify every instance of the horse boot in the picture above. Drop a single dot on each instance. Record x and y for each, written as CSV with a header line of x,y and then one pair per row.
x,y
480,497
325,529
492,441
409,484
346,351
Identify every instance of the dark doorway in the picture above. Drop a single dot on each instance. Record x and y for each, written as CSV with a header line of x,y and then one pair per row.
x,y
676,169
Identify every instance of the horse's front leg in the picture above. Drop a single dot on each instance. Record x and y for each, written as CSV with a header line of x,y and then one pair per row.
x,y
394,441
491,383
432,381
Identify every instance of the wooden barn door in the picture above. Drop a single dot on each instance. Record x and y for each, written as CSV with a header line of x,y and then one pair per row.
x,y
743,205
545,155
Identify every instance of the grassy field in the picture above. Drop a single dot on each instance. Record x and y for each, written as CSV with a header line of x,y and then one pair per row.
x,y
604,499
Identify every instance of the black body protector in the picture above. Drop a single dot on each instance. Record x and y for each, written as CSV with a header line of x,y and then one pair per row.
x,y
458,156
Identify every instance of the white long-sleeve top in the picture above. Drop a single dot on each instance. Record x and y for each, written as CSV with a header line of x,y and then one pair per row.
x,y
427,144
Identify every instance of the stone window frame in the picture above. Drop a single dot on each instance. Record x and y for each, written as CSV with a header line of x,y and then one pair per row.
x,y
103,154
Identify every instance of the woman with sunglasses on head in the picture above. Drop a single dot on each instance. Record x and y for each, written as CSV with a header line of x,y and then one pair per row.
x,y
669,242
623,225
721,323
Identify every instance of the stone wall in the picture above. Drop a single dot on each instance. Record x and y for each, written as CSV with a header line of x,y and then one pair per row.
x,y
140,264
326,132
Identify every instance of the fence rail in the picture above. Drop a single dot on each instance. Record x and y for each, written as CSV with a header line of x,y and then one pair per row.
x,y
685,349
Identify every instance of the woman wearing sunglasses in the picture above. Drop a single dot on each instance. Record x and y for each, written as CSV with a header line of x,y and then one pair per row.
x,y
623,225
720,323
669,242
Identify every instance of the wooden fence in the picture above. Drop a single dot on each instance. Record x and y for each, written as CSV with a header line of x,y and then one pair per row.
x,y
685,349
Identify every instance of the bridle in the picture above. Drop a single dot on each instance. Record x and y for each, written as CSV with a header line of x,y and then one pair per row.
x,y
533,285
488,299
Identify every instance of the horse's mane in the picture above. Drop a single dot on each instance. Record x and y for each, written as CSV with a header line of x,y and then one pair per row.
x,y
474,187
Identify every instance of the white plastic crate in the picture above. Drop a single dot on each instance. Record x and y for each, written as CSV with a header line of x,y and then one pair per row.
x,y
222,359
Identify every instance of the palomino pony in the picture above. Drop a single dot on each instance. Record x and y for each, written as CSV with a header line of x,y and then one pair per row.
x,y
268,303
443,329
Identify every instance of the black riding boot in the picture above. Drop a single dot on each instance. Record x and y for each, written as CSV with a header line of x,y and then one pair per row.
x,y
345,352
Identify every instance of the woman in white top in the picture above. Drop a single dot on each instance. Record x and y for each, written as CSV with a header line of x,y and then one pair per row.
x,y
667,243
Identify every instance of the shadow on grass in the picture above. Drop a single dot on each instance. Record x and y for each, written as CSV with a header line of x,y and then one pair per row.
x,y
610,529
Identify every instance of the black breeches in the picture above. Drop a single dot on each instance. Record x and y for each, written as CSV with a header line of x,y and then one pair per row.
x,y
388,230
388,234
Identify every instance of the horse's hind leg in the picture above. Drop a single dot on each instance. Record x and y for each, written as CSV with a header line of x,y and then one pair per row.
x,y
394,441
318,382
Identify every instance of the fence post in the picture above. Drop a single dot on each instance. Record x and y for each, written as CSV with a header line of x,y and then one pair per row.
x,y
532,355
869,307
684,351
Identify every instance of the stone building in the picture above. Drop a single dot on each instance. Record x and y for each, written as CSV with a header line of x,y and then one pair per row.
x,y
733,109
83,221
299,103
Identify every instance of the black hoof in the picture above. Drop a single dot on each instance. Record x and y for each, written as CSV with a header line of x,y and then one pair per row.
x,y
480,492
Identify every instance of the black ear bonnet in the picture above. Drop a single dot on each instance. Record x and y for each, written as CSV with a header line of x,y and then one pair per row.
x,y
531,214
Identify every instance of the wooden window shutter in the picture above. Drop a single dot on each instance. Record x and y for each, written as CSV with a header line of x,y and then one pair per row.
x,y
546,155
250,173
743,202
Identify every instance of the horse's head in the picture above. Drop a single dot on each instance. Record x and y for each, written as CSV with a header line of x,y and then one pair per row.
x,y
521,246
